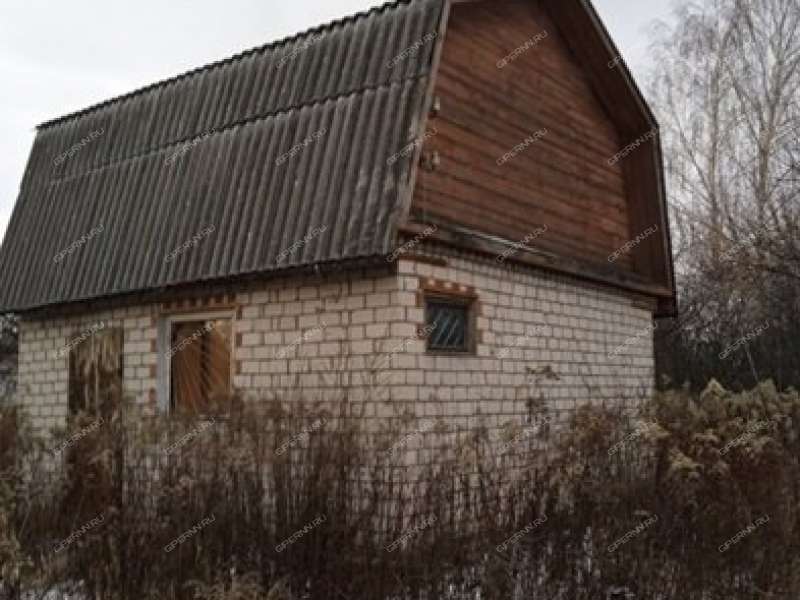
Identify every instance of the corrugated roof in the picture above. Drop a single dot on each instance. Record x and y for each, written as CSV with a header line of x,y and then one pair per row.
x,y
276,158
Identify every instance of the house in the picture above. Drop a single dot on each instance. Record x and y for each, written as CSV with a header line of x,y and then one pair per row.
x,y
444,197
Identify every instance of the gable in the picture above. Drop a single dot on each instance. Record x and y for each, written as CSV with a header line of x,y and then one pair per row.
x,y
541,138
523,141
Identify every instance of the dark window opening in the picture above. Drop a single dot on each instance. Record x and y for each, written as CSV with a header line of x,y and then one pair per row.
x,y
200,365
448,324
95,372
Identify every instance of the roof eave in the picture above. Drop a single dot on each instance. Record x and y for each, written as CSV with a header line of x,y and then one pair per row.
x,y
157,294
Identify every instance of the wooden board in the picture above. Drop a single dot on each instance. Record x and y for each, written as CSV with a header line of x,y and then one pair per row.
x,y
564,179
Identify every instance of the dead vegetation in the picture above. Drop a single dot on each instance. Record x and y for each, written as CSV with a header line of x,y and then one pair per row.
x,y
698,499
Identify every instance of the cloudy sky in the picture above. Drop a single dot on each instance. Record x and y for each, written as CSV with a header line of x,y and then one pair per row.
x,y
57,57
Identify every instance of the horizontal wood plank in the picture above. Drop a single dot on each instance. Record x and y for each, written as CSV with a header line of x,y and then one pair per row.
x,y
489,178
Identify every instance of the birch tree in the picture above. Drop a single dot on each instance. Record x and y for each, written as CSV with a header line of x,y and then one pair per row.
x,y
727,91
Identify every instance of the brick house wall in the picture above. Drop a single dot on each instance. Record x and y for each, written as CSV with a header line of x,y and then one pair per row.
x,y
311,337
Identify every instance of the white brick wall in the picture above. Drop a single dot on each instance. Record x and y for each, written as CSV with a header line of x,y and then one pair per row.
x,y
44,366
310,338
597,341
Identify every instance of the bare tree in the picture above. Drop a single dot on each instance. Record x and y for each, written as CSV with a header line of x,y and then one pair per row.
x,y
727,90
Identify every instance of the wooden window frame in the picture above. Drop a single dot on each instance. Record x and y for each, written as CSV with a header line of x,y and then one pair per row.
x,y
447,291
470,346
165,344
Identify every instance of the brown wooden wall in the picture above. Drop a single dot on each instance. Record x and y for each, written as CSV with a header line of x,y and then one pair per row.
x,y
564,179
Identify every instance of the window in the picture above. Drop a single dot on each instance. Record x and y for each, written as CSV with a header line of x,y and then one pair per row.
x,y
95,370
197,362
448,324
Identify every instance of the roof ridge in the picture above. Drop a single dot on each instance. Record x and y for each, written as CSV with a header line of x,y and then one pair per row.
x,y
225,61
234,124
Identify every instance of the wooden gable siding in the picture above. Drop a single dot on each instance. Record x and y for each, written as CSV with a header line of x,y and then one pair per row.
x,y
562,181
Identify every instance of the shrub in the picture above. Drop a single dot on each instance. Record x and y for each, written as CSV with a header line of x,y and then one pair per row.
x,y
697,498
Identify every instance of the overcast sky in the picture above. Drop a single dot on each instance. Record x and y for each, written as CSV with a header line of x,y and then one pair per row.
x,y
57,57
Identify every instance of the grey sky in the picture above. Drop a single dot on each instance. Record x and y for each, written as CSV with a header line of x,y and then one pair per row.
x,y
57,57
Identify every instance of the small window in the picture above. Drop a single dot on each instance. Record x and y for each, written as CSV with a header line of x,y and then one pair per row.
x,y
95,370
448,324
199,364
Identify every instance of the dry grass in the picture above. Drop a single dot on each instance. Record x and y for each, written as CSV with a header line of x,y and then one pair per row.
x,y
267,503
